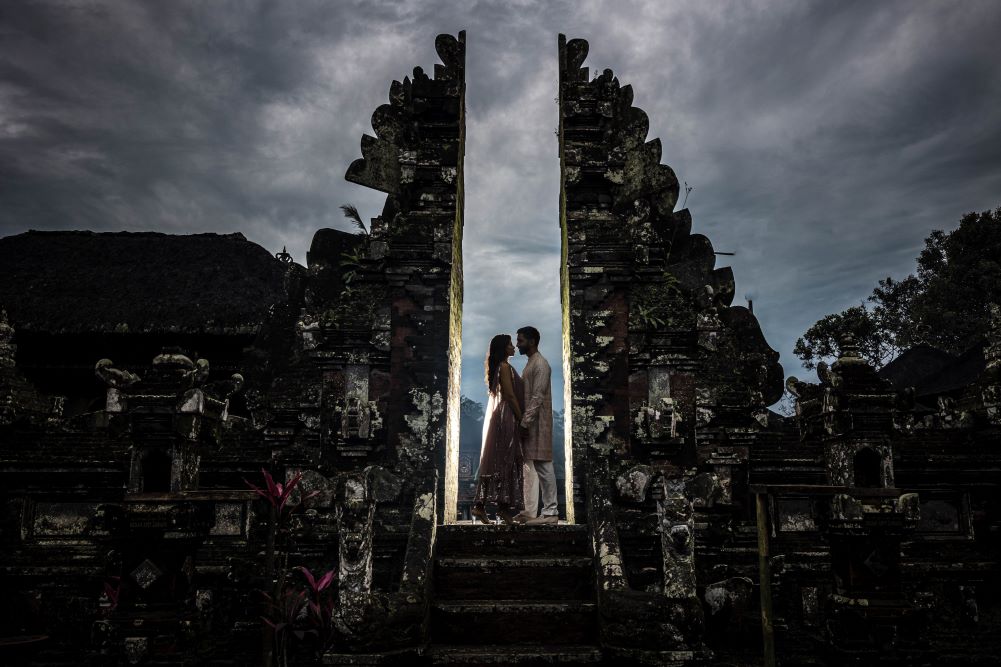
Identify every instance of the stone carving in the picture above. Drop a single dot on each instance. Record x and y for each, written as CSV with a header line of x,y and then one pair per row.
x,y
634,483
355,531
136,649
990,394
8,349
19,399
733,594
654,346
146,574
677,535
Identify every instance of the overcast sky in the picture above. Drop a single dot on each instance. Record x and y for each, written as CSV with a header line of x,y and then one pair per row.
x,y
824,140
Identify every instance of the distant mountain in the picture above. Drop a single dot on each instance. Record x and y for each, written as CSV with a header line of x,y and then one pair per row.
x,y
471,435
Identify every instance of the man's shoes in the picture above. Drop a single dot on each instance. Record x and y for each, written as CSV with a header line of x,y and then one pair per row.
x,y
543,520
521,517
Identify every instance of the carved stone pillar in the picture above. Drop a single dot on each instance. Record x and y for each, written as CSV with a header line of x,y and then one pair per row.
x,y
677,537
662,373
354,557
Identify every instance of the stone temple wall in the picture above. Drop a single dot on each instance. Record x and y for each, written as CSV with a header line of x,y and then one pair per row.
x,y
416,157
722,532
669,383
130,533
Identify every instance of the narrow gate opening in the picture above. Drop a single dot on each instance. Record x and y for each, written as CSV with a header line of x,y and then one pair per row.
x,y
511,270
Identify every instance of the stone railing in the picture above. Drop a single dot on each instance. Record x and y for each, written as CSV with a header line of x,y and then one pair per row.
x,y
630,619
397,621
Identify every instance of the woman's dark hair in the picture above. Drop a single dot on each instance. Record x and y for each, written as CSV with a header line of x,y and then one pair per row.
x,y
496,353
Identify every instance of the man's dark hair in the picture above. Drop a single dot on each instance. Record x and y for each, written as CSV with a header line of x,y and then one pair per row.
x,y
532,333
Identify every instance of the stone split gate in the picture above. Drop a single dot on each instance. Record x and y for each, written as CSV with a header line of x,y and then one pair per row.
x,y
129,534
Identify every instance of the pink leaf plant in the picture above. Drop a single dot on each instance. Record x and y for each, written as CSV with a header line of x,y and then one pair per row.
x,y
284,610
288,610
321,603
113,592
275,492
318,585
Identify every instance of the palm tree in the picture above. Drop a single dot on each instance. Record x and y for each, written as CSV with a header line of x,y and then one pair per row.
x,y
352,214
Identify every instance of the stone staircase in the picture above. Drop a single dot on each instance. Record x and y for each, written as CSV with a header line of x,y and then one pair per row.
x,y
513,595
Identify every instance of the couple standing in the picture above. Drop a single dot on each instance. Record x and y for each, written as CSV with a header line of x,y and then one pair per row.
x,y
516,457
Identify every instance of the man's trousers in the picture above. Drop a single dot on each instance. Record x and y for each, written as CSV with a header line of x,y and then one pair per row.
x,y
540,473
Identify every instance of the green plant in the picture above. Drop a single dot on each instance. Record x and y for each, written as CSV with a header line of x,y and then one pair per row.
x,y
653,305
352,261
647,316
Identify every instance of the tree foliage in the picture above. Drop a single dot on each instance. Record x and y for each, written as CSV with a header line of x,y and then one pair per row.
x,y
945,305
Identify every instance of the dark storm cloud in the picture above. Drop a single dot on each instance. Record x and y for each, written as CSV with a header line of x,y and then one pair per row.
x,y
824,140
178,117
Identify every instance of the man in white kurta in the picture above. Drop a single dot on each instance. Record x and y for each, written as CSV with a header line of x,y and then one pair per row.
x,y
537,432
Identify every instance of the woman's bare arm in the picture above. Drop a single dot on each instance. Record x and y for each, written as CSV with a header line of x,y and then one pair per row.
x,y
507,390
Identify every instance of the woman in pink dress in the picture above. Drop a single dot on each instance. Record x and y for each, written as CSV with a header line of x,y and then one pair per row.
x,y
500,475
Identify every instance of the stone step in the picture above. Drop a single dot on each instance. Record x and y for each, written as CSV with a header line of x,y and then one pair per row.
x,y
527,655
460,540
514,578
508,622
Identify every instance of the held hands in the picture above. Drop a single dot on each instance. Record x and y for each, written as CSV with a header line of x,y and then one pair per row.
x,y
524,432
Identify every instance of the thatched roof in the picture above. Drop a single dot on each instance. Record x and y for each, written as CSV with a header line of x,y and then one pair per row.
x,y
932,371
78,281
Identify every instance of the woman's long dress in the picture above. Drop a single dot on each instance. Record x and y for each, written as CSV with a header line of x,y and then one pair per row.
x,y
500,474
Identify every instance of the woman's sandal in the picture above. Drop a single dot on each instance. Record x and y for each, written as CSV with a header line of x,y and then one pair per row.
x,y
480,513
507,516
